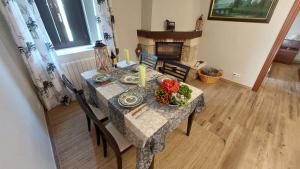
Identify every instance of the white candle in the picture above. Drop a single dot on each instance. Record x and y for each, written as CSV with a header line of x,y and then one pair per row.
x,y
127,58
142,75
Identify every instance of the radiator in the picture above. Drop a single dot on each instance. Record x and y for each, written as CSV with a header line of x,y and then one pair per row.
x,y
73,70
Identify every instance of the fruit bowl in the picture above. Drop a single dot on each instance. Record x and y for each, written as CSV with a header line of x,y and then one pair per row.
x,y
172,93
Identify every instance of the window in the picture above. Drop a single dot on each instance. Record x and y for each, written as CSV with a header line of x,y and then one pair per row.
x,y
65,22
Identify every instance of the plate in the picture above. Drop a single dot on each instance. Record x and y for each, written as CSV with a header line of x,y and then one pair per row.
x,y
130,99
135,68
101,77
130,79
162,78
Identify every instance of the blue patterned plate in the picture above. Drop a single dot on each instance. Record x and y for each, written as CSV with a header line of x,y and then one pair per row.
x,y
101,77
136,68
165,77
130,99
130,79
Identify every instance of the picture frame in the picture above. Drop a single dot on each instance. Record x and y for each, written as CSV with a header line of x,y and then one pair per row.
x,y
259,11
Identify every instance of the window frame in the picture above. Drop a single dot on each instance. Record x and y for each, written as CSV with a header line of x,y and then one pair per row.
x,y
60,30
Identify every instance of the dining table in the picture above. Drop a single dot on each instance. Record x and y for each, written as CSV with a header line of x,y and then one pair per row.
x,y
146,131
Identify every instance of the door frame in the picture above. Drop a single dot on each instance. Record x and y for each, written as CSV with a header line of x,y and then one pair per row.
x,y
279,40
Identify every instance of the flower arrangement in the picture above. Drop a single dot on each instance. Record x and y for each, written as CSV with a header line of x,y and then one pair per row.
x,y
171,92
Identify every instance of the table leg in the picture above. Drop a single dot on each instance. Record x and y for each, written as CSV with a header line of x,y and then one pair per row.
x,y
152,163
190,122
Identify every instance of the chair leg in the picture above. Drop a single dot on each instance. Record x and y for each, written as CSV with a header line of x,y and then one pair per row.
x,y
190,122
119,160
98,135
89,123
104,146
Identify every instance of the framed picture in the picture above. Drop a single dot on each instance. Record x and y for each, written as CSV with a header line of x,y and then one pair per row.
x,y
242,10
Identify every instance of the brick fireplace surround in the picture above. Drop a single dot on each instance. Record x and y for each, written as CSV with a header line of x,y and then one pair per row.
x,y
190,41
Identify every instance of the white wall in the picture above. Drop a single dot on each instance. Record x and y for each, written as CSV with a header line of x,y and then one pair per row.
x,y
240,47
128,20
146,14
297,58
24,138
184,13
294,33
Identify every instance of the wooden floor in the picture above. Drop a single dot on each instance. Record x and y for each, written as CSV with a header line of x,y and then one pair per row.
x,y
239,129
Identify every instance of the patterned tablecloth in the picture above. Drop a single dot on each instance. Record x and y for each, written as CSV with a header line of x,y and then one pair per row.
x,y
146,130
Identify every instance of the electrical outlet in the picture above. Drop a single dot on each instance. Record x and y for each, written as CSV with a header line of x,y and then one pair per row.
x,y
236,74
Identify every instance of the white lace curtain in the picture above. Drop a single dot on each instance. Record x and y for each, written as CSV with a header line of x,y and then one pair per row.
x,y
105,18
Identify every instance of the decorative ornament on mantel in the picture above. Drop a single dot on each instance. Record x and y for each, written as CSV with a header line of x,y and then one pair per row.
x,y
199,24
103,61
138,50
170,26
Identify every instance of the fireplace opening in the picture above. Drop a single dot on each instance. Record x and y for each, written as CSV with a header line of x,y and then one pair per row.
x,y
168,50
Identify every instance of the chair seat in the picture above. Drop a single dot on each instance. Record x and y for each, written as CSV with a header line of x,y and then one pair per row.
x,y
122,142
99,114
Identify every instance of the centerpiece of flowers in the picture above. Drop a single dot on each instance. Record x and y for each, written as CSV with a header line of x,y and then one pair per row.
x,y
172,93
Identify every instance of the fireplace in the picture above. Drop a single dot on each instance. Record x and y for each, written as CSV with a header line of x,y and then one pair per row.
x,y
179,46
168,50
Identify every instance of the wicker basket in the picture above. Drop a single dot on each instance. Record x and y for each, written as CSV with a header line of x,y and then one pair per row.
x,y
210,79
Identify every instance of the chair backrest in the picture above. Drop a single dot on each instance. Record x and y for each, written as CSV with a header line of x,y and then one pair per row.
x,y
176,69
69,84
89,112
148,59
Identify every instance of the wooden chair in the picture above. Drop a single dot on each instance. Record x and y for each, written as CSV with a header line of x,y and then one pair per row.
x,y
68,84
109,134
175,69
99,114
148,59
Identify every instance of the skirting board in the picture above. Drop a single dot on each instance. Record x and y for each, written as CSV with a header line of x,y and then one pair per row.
x,y
235,83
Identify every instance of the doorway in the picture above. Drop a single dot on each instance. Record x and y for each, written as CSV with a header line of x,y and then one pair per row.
x,y
278,43
286,64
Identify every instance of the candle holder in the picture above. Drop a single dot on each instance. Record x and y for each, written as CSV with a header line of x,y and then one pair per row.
x,y
103,61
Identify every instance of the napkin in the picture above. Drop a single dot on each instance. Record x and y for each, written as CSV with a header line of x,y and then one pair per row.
x,y
145,122
122,64
111,89
89,74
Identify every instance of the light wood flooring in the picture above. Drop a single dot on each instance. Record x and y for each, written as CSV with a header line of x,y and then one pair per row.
x,y
239,129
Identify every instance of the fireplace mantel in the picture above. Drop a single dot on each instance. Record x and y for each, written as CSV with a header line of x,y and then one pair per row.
x,y
168,35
